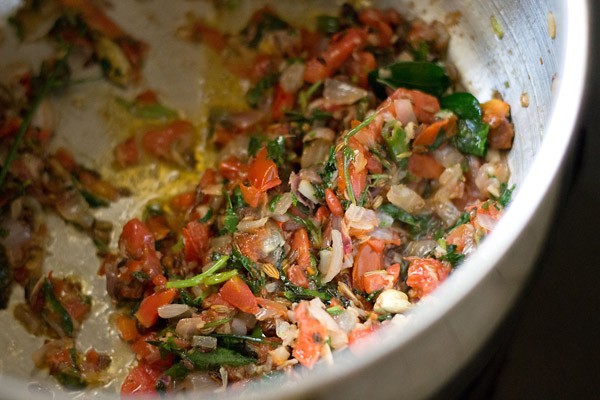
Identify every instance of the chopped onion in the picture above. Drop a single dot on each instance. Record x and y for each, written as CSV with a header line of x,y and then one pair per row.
x,y
72,206
213,190
315,152
331,260
486,221
249,225
238,327
292,78
283,204
405,198
321,132
360,218
342,93
404,111
448,212
448,156
245,119
346,320
338,337
280,355
174,311
204,342
308,190
420,248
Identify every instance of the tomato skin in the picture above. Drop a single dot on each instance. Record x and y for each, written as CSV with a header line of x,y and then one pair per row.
x,y
425,106
376,19
251,195
233,169
126,153
136,238
65,158
297,273
340,48
282,102
141,380
368,258
357,335
424,166
195,241
263,173
427,136
184,201
424,275
127,328
360,65
333,203
237,293
147,313
311,336
159,142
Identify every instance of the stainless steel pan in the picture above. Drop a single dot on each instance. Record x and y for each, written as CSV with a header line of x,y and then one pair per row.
x,y
541,57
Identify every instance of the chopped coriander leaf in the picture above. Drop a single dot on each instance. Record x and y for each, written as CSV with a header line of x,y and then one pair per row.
x,y
200,278
328,24
452,256
276,150
348,157
313,230
258,92
273,202
206,216
92,200
231,219
505,194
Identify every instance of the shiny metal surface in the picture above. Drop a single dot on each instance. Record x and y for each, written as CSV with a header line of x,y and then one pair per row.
x,y
447,330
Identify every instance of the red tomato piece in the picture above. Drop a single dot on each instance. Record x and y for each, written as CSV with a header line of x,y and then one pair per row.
x,y
184,201
263,173
141,380
334,204
195,240
359,334
282,102
425,106
127,328
147,313
251,195
136,238
160,142
424,275
233,169
311,336
127,153
368,258
424,166
297,273
237,293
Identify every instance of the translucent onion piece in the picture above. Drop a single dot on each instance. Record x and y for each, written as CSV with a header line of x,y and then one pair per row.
x,y
342,93
405,198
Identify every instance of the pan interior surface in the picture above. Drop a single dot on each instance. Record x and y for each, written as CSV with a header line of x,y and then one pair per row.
x,y
504,47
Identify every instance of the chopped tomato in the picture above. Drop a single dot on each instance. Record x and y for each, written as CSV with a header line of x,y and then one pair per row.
x,y
212,37
427,136
339,50
147,97
425,106
270,309
360,65
98,187
10,127
375,19
311,336
183,202
251,195
297,273
158,226
263,173
368,258
209,177
160,142
147,313
127,328
136,238
424,275
494,112
424,166
334,204
461,236
195,241
374,281
126,153
141,380
237,293
322,214
233,169
65,159
358,180
282,102
359,334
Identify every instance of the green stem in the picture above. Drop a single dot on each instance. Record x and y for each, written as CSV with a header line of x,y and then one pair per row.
x,y
29,117
200,278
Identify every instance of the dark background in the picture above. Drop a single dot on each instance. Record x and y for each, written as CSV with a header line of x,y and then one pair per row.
x,y
549,347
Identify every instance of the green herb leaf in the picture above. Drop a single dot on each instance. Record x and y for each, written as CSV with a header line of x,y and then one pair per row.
x,y
452,256
177,371
327,24
348,157
256,93
424,76
505,194
215,359
329,169
313,230
276,150
267,22
396,141
273,202
472,137
153,111
65,319
231,218
464,105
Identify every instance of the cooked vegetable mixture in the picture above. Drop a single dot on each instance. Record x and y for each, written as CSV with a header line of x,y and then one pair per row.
x,y
357,178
